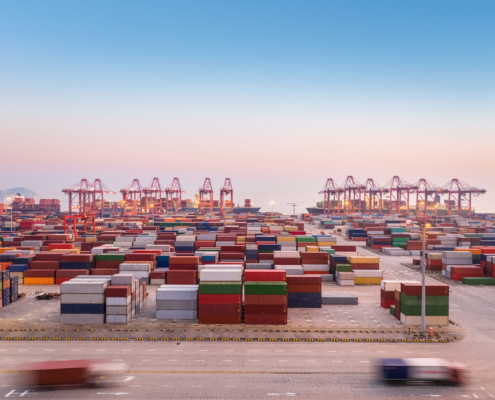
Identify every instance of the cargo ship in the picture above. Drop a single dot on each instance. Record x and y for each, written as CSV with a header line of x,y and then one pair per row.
x,y
19,203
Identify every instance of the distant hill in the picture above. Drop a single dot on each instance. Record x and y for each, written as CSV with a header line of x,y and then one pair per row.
x,y
23,192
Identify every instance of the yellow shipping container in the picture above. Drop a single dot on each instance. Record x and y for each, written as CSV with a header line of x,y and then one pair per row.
x,y
367,281
90,239
39,281
364,260
290,228
312,248
286,238
241,238
2,249
326,244
472,251
71,251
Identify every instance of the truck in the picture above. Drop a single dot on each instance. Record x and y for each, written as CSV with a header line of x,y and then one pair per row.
x,y
71,372
411,370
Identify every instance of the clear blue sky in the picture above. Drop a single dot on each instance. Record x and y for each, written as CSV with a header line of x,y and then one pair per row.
x,y
277,95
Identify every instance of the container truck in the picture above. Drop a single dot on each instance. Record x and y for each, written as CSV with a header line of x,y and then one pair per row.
x,y
409,370
71,372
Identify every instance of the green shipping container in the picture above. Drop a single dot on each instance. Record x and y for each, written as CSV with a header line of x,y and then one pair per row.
x,y
305,239
430,310
265,288
343,267
478,281
220,288
430,300
392,310
110,257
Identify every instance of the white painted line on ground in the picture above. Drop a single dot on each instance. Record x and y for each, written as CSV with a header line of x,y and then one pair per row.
x,y
176,350
357,351
331,351
145,360
306,351
198,360
253,360
227,360
152,350
100,350
310,360
475,396
173,360
202,350
283,360
336,361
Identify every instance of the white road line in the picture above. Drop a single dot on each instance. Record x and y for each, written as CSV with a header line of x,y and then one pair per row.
x,y
227,360
331,351
283,360
306,351
198,360
336,361
100,350
229,350
357,351
173,360
253,360
475,396
145,360
310,360
152,350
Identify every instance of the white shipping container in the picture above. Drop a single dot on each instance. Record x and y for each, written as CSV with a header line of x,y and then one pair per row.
x,y
118,301
368,273
82,318
221,275
84,287
128,266
123,279
286,254
413,320
177,292
316,267
118,310
118,319
82,298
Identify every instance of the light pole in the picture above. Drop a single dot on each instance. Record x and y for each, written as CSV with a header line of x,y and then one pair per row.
x,y
272,205
423,284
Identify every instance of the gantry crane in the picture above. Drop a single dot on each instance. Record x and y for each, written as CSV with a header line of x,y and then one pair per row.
x,y
374,192
461,193
225,191
206,189
79,196
132,196
153,196
400,191
173,196
97,202
331,195
426,193
352,195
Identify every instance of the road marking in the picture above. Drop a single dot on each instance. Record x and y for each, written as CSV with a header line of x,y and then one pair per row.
x,y
126,350
152,350
100,350
253,360
227,360
336,361
357,351
145,360
475,396
198,360
310,360
173,360
283,361
202,350
75,350
229,350
176,350
331,351
306,351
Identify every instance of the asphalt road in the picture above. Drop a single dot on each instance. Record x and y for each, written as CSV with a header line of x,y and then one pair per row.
x,y
230,370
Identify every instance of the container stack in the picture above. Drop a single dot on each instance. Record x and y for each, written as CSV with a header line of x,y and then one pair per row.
x,y
304,291
387,293
177,302
315,263
14,289
364,263
345,278
223,288
5,275
82,301
118,301
458,272
265,297
368,277
434,261
141,270
437,304
183,270
450,258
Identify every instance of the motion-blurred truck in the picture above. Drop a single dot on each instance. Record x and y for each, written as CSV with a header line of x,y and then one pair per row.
x,y
409,370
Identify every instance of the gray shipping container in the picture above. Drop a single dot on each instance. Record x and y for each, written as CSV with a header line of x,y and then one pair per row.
x,y
176,314
123,279
82,298
177,292
176,304
343,299
119,301
118,319
119,310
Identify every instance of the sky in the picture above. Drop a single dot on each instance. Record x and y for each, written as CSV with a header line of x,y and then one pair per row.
x,y
276,95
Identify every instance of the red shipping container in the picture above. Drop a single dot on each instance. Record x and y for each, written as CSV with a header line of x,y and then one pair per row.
x,y
220,299
86,246
44,265
257,319
108,264
338,248
49,256
387,294
264,275
59,281
182,281
203,243
231,256
183,267
157,252
60,246
141,257
182,274
265,256
303,280
219,309
233,249
291,288
180,260
262,309
397,309
220,319
104,271
39,273
286,261
265,299
158,274
77,258
365,266
432,289
118,291
70,273
387,303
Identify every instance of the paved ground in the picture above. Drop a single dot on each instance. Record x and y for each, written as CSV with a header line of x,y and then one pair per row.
x,y
226,370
